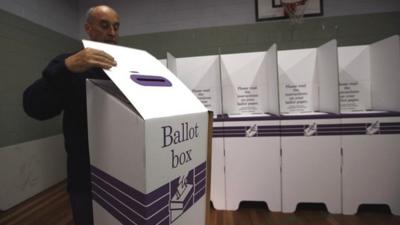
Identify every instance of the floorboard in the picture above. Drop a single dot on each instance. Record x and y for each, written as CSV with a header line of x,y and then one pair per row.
x,y
51,207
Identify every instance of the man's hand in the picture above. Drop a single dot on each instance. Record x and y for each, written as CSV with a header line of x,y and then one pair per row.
x,y
89,58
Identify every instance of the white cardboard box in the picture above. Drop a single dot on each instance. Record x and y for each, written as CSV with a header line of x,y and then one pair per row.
x,y
148,144
371,155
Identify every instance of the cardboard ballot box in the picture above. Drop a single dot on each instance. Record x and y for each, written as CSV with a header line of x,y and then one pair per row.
x,y
148,144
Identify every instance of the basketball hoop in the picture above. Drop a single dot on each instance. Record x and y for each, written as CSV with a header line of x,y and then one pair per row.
x,y
294,9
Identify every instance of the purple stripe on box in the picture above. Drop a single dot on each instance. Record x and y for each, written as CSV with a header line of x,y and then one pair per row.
x,y
200,168
165,221
131,213
145,199
119,199
200,185
200,194
200,176
138,207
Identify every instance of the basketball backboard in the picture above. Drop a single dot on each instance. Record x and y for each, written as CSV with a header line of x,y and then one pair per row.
x,y
272,9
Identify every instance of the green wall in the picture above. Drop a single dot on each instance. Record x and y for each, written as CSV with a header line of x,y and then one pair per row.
x,y
347,30
26,48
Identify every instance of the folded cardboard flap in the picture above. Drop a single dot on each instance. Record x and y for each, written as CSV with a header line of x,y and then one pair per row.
x,y
147,83
109,87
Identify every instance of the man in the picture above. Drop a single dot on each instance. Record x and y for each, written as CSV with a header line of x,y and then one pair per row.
x,y
62,89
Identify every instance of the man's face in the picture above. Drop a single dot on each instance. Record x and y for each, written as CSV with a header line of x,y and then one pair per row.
x,y
103,26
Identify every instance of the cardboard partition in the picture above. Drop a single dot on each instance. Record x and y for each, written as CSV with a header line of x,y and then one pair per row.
x,y
308,80
148,143
249,83
201,74
385,74
171,63
163,61
354,78
369,77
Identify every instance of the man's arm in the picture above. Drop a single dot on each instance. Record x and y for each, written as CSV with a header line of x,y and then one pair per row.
x,y
44,99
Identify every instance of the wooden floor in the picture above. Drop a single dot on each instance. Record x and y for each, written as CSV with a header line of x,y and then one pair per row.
x,y
52,208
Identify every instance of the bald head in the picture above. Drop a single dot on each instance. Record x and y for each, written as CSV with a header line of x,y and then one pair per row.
x,y
102,24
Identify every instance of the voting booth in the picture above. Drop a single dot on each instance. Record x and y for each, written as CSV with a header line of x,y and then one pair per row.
x,y
310,127
148,143
201,74
251,128
369,98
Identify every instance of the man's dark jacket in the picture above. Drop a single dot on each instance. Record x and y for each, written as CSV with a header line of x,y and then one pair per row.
x,y
59,90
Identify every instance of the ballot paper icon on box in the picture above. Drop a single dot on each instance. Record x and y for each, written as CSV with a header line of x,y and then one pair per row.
x,y
183,197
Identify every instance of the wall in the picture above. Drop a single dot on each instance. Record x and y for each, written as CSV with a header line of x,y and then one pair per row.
x,y
26,49
348,30
58,15
32,155
141,17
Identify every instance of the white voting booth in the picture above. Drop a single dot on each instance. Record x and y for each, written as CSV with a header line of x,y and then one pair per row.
x,y
310,127
202,75
148,143
370,105
251,129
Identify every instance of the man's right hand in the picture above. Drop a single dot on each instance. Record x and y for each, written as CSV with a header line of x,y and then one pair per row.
x,y
89,58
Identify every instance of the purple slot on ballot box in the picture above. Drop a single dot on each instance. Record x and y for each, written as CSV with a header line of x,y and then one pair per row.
x,y
149,80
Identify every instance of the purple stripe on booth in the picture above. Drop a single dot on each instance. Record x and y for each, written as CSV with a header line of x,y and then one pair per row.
x,y
292,134
390,132
390,128
390,124
353,133
268,134
145,199
352,125
269,128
